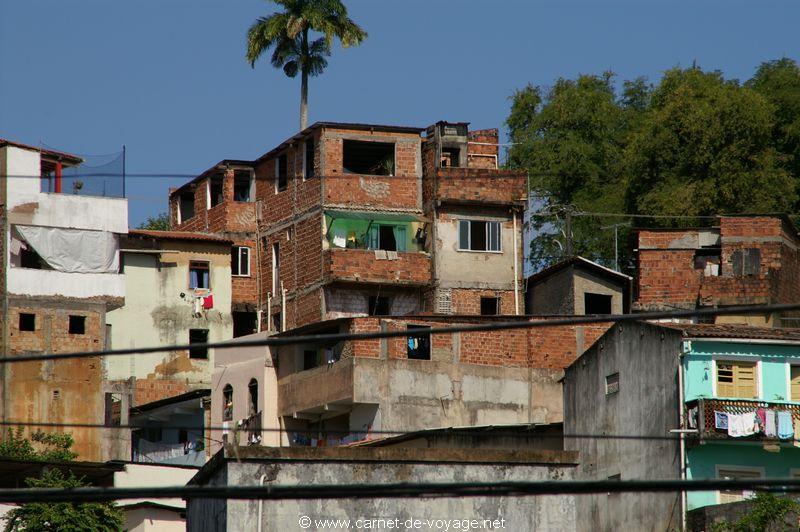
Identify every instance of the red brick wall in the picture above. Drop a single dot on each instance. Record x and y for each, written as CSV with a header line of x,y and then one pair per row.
x,y
244,290
468,301
149,390
481,184
361,265
476,153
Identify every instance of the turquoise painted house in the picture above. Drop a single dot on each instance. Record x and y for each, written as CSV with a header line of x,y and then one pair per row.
x,y
740,371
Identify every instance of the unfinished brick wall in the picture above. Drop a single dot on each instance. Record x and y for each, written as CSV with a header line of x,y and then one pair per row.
x,y
468,301
477,184
149,390
363,265
244,289
483,148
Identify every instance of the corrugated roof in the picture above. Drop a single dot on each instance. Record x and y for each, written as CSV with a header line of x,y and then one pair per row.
x,y
179,235
745,332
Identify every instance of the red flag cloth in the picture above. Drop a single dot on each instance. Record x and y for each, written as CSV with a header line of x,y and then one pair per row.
x,y
208,302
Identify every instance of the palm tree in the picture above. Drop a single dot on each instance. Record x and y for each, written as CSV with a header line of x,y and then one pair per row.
x,y
288,33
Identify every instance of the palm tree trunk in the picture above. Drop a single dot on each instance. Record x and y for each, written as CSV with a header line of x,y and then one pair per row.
x,y
303,99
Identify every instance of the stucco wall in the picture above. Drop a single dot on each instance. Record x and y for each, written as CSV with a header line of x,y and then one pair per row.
x,y
552,295
587,282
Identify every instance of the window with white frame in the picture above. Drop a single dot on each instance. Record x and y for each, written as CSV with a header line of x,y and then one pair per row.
x,y
240,261
794,383
737,472
478,235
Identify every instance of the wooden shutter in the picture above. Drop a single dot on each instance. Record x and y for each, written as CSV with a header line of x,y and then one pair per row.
x,y
794,375
737,379
725,379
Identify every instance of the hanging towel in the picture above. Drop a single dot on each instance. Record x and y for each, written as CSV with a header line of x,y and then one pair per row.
x,y
762,418
208,301
740,425
720,420
197,306
796,442
770,429
785,427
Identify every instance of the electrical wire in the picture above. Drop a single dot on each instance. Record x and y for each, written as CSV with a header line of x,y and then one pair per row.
x,y
282,340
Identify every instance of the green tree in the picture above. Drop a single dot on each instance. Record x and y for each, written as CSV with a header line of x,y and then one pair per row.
x,y
294,50
768,513
159,222
705,147
54,447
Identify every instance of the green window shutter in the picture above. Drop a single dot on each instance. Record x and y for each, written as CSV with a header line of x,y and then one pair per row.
x,y
400,237
373,237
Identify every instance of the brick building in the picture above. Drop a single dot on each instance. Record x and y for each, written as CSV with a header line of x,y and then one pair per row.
x,y
744,260
60,263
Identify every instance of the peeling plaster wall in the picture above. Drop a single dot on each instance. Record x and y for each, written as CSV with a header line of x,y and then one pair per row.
x,y
155,314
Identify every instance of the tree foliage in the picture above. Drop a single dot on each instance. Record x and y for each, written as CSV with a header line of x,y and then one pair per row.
x,y
694,144
768,514
159,222
54,447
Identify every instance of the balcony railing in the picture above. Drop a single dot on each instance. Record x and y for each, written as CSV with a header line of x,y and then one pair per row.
x,y
251,429
700,415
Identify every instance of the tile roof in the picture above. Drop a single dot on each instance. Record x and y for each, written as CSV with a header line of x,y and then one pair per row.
x,y
178,235
745,332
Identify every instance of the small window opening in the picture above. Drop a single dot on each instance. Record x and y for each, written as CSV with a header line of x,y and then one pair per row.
x,y
419,343
379,306
153,434
28,258
281,173
370,158
199,275
708,261
183,436
244,323
240,261
276,269
186,205
227,403
746,262
310,359
612,383
450,157
27,322
113,409
596,303
387,239
252,389
215,190
478,235
198,336
277,321
308,159
77,324
242,185
490,306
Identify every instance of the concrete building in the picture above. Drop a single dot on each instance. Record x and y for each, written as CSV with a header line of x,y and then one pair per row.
x,y
744,260
60,262
578,286
649,380
179,292
247,466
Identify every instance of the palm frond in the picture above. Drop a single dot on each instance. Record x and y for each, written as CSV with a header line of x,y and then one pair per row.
x,y
291,68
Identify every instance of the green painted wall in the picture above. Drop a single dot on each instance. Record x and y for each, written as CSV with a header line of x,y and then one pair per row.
x,y
359,227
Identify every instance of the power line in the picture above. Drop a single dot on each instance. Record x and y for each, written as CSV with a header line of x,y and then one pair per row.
x,y
281,340
394,491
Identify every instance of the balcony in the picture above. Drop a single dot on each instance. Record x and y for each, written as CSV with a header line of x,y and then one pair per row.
x,y
251,428
377,266
478,185
705,408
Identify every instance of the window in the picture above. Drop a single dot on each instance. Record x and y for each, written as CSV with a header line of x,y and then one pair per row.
x,y
308,159
27,322
198,336
794,383
227,403
370,158
252,389
736,379
240,261
596,303
276,269
185,206
612,383
490,306
244,323
281,173
310,359
242,185
214,190
199,276
734,495
387,237
183,436
77,324
113,409
379,306
708,261
450,157
746,262
475,235
277,321
153,434
419,343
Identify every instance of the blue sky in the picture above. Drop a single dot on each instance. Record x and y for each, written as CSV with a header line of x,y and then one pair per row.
x,y
168,78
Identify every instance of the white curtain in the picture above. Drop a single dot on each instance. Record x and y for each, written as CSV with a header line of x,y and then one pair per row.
x,y
74,250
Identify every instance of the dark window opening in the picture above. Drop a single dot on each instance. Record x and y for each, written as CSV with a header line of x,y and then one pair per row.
x,y
28,258
183,436
113,409
309,158
186,205
242,180
198,336
276,269
490,306
450,157
596,303
215,190
419,344
252,389
77,324
386,238
478,235
244,323
240,261
199,275
27,322
708,261
227,403
277,321
612,383
281,173
153,434
310,359
746,262
379,306
370,158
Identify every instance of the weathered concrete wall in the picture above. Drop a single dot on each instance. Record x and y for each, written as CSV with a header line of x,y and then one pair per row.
x,y
155,314
382,466
553,294
646,358
586,282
